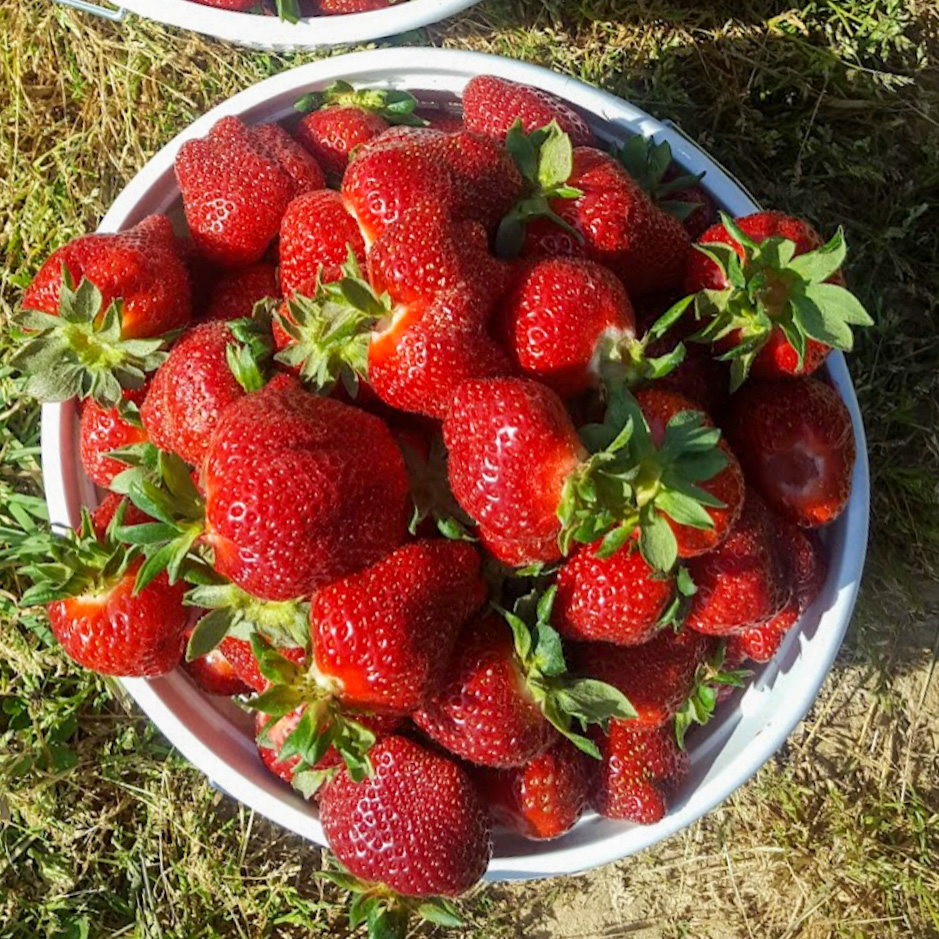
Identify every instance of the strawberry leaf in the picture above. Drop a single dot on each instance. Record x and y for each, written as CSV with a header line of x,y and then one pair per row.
x,y
441,912
288,10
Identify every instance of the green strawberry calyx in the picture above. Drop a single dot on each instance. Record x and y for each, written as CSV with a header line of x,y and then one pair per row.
x,y
80,353
771,287
545,158
386,913
330,331
629,487
563,698
75,563
289,10
710,677
395,106
250,354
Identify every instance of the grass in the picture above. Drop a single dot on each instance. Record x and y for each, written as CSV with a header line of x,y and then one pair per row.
x,y
828,109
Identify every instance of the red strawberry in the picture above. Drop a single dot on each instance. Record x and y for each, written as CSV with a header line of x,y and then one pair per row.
x,y
619,599
384,636
343,7
659,407
103,515
491,105
743,581
561,317
793,299
214,675
331,134
300,490
417,824
440,119
517,552
639,770
190,391
543,799
797,447
512,448
141,267
242,659
239,6
236,185
102,430
236,293
657,677
760,643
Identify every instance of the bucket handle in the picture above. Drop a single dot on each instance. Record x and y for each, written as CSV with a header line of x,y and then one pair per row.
x,y
87,7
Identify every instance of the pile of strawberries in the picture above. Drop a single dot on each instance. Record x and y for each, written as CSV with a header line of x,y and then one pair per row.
x,y
292,10
475,457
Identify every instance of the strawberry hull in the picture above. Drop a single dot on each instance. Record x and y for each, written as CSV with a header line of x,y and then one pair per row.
x,y
219,740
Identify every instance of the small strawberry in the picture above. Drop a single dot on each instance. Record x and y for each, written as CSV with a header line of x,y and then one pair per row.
x,y
507,694
236,293
102,430
214,675
797,446
743,581
770,295
87,583
638,772
236,185
417,825
491,105
541,800
345,118
244,662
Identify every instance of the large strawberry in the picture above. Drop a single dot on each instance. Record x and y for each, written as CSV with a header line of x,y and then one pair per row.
x,y
87,581
743,581
236,293
797,447
101,430
491,105
507,693
542,799
519,469
236,184
771,295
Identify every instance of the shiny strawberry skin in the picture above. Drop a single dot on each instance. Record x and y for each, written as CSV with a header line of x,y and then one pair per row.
x,y
797,446
491,105
615,599
315,236
657,676
638,772
115,632
240,656
417,824
431,349
512,447
332,133
743,582
142,266
659,406
777,359
300,166
300,490
101,430
214,675
236,292
541,800
554,321
385,634
483,712
384,181
516,552
760,643
189,392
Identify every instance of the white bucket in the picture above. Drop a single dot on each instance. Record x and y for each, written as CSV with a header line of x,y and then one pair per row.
x,y
218,738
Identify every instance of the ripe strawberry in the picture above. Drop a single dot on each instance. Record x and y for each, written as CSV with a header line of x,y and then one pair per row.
x,y
383,636
236,185
659,407
797,446
507,693
638,772
214,675
517,552
193,387
87,584
236,293
786,309
241,657
141,267
102,430
342,7
491,105
449,122
384,181
760,643
743,581
541,800
619,599
300,490
416,825
562,317
103,515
